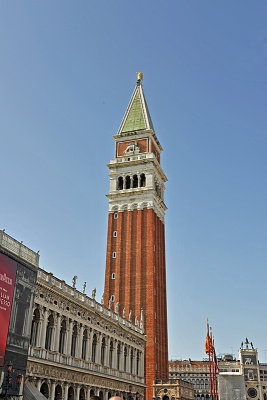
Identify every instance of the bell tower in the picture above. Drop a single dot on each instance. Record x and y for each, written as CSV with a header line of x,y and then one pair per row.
x,y
135,279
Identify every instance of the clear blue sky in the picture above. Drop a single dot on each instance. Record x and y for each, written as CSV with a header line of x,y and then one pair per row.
x,y
67,71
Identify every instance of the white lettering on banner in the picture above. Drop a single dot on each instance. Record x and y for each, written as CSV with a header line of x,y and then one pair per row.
x,y
5,279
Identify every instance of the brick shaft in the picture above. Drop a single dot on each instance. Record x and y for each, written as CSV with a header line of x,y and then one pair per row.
x,y
140,281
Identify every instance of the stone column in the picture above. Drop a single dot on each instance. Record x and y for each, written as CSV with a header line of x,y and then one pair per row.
x,y
39,333
43,333
38,384
53,387
78,388
54,331
87,345
107,351
128,359
134,361
66,388
56,343
80,343
98,348
91,335
88,393
141,364
69,338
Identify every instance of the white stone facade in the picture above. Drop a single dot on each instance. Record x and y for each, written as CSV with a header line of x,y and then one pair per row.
x,y
79,347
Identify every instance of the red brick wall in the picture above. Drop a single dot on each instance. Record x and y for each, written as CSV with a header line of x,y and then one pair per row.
x,y
141,281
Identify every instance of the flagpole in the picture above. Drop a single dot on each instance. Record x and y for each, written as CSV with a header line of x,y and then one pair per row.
x,y
211,393
212,364
215,371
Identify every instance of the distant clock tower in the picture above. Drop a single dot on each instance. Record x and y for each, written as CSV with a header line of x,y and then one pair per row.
x,y
135,279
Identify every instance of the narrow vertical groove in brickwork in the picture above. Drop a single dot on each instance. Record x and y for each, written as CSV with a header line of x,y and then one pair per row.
x,y
138,281
127,278
118,247
133,264
121,277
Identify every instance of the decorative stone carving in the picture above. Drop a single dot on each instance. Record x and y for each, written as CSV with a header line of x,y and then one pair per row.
x,y
93,293
117,308
133,148
74,279
110,303
142,319
84,287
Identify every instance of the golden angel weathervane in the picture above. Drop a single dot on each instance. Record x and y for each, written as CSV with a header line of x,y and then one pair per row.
x,y
139,76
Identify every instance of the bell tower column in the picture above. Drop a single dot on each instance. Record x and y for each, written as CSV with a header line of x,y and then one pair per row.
x,y
135,260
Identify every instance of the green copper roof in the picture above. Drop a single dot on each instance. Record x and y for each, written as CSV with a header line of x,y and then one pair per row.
x,y
137,116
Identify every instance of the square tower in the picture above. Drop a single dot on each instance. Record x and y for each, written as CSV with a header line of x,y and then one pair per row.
x,y
135,279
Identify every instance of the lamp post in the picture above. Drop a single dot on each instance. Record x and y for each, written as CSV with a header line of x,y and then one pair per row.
x,y
7,384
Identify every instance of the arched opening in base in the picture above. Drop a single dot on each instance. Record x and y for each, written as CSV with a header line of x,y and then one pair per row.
x,y
70,393
58,393
45,390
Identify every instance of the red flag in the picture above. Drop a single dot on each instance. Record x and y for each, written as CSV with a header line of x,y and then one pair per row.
x,y
208,345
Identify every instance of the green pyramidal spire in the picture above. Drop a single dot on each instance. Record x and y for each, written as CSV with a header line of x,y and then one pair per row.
x,y
137,116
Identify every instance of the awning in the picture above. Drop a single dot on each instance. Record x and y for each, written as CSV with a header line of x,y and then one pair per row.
x,y
32,393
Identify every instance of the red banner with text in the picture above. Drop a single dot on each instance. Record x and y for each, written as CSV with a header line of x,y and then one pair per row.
x,y
8,269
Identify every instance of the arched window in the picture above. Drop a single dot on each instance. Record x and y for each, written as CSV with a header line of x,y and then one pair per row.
x,y
127,182
101,395
62,337
35,327
82,394
58,392
131,362
135,181
137,362
120,183
70,393
118,356
125,359
49,332
111,349
103,348
142,180
94,348
74,340
45,390
84,344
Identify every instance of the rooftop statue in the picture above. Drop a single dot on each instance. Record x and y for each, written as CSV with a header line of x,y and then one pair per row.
x,y
74,279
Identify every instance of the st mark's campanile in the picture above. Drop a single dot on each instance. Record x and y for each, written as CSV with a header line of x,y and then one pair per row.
x,y
135,279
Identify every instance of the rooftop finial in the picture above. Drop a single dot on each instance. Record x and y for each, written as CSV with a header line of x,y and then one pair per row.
x,y
139,76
